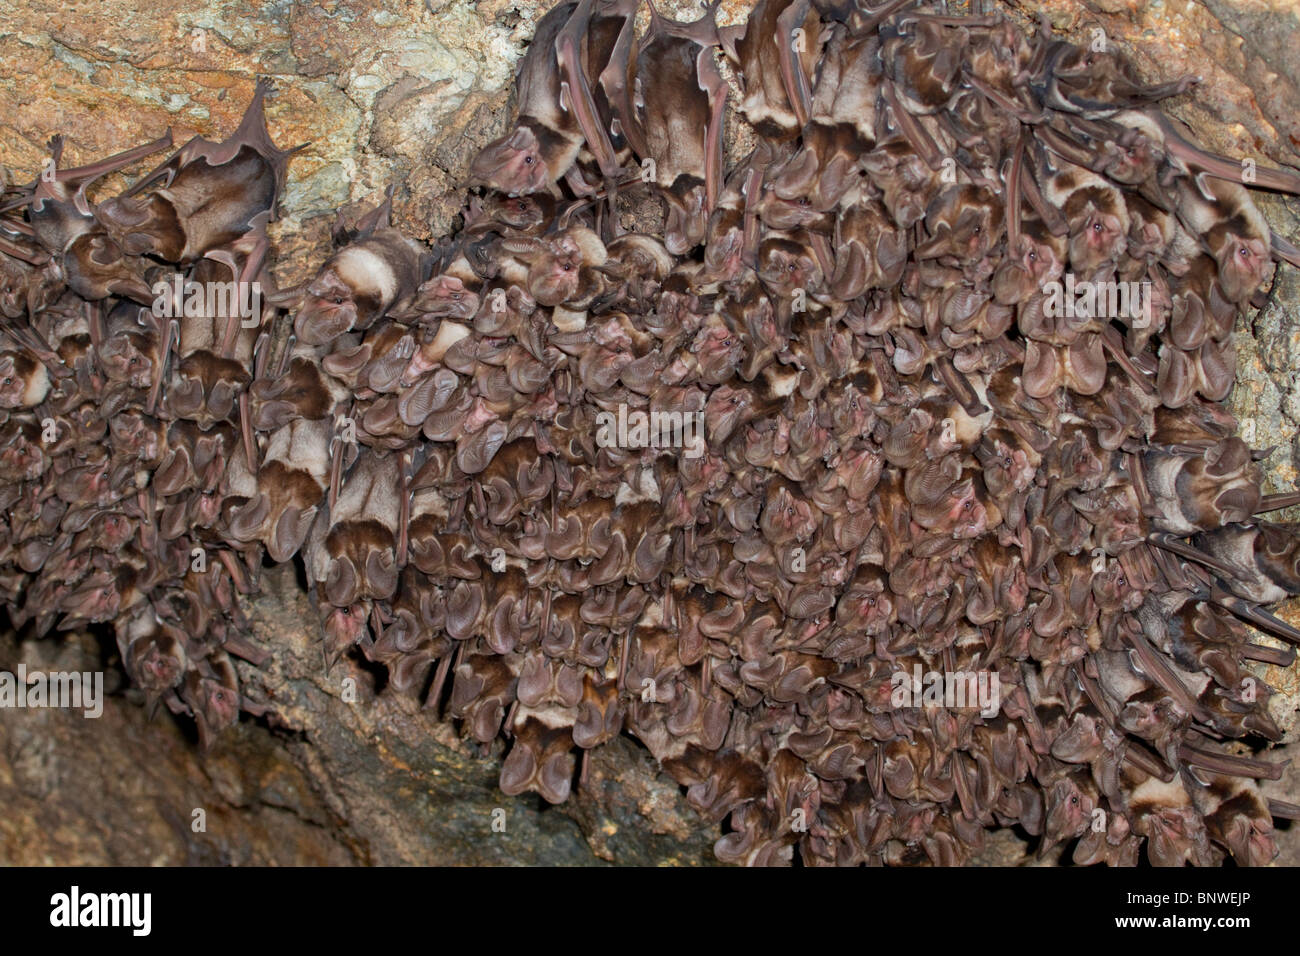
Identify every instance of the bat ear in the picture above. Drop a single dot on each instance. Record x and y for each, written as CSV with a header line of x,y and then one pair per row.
x,y
378,218
728,37
521,139
850,277
347,363
247,519
289,298
341,582
290,532
381,573
891,258
522,246
1284,250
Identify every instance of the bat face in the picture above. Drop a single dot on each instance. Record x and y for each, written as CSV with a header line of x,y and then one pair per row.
x,y
514,164
787,266
213,695
525,213
24,382
1245,263
130,357
447,296
329,310
157,662
96,267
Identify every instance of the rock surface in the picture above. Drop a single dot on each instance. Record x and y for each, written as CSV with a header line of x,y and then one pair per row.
x,y
404,91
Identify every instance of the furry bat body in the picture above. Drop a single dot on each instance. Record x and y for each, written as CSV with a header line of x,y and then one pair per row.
x,y
207,194
682,123
353,550
375,274
546,139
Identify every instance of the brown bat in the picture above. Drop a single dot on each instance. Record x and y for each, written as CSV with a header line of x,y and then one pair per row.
x,y
922,57
1232,230
870,252
546,139
964,222
376,273
281,502
210,691
683,97
207,194
1195,491
298,387
732,238
1095,84
847,88
24,382
557,269
840,128
617,81
153,652
59,211
1095,212
1258,561
354,549
591,43
510,215
775,64
215,349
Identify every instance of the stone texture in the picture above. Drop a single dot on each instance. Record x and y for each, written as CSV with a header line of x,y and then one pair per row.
x,y
336,773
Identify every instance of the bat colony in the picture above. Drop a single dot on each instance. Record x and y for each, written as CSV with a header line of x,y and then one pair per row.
x,y
933,443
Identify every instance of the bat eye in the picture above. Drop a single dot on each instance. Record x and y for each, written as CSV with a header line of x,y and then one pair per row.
x,y
1033,256
9,380
1243,252
790,511
968,505
528,161
871,602
1006,462
1096,227
455,297
338,300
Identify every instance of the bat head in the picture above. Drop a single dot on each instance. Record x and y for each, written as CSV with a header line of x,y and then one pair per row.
x,y
513,164
1245,263
24,382
329,309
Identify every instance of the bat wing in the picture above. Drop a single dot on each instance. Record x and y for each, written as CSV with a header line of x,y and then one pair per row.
x,y
575,89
